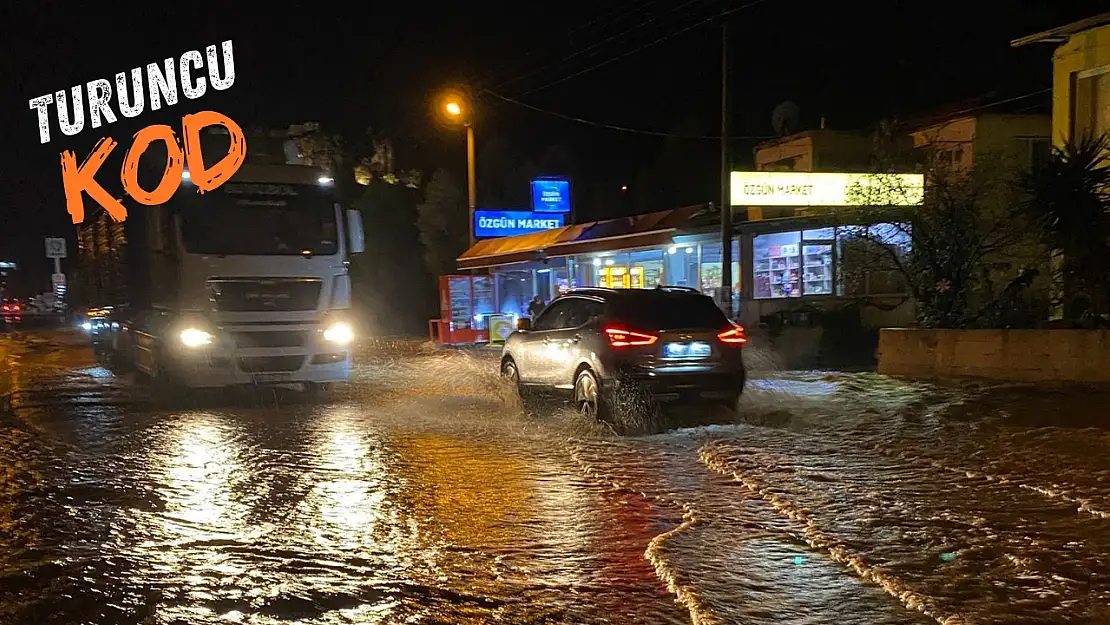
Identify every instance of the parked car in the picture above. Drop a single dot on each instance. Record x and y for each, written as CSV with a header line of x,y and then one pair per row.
x,y
11,312
596,344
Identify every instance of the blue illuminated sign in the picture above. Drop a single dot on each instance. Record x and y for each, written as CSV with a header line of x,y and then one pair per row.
x,y
491,224
551,195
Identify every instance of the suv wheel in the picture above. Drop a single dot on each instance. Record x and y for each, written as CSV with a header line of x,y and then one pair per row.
x,y
588,397
511,374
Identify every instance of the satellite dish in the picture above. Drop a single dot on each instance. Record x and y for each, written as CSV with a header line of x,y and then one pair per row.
x,y
785,119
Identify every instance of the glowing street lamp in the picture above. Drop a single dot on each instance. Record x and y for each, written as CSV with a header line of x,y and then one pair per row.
x,y
456,110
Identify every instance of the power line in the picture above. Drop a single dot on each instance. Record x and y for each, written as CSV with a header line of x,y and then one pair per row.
x,y
999,102
655,133
598,44
627,9
638,131
643,47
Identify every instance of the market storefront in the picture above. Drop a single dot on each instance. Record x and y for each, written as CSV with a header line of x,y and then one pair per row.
x,y
801,256
805,246
643,251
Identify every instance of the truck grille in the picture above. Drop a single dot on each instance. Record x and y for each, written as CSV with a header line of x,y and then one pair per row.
x,y
264,294
285,338
269,364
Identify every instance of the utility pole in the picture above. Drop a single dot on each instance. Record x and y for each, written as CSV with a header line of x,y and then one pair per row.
x,y
471,179
726,200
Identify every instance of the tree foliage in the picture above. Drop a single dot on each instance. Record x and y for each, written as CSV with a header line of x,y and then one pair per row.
x,y
964,239
1068,197
442,221
396,294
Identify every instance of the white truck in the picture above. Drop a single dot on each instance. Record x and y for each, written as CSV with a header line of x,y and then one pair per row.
x,y
246,284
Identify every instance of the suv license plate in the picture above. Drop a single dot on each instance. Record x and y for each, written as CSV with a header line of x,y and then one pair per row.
x,y
271,378
697,349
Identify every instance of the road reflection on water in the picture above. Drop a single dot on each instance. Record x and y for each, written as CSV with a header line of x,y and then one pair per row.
x,y
422,496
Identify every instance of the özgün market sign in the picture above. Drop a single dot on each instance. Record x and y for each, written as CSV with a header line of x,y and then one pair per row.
x,y
825,189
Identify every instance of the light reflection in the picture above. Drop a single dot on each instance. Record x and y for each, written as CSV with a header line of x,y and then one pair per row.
x,y
199,479
345,509
470,488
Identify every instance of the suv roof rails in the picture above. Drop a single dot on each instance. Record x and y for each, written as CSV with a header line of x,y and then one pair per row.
x,y
587,289
608,290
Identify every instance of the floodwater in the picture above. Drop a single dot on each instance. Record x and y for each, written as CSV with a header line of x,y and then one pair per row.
x,y
423,494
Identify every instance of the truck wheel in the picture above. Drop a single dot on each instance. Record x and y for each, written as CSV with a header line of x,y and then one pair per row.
x,y
314,390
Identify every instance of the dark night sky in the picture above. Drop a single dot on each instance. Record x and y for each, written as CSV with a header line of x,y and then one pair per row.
x,y
376,64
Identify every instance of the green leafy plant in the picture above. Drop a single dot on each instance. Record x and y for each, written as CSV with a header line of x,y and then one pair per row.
x,y
1068,196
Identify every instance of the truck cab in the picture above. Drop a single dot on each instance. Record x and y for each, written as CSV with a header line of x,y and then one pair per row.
x,y
263,292
245,284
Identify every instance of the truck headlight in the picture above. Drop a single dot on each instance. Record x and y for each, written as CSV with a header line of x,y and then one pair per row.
x,y
340,333
195,337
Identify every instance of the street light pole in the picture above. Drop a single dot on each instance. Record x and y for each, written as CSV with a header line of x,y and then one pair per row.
x,y
471,179
726,200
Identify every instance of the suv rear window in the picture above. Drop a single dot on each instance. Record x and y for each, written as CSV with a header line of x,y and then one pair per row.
x,y
667,311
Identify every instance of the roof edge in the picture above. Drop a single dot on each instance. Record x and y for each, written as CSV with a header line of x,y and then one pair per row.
x,y
1060,34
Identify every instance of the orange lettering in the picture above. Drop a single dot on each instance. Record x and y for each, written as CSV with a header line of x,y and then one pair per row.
x,y
83,179
209,179
171,177
78,180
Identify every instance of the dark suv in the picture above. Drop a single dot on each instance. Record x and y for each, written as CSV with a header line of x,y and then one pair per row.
x,y
598,343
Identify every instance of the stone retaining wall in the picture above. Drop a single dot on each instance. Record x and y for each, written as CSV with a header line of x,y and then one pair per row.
x,y
1017,355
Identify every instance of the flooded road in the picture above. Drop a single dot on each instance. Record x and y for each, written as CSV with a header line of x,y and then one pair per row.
x,y
423,494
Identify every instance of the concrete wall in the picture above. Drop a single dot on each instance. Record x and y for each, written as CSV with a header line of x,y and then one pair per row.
x,y
794,153
1016,355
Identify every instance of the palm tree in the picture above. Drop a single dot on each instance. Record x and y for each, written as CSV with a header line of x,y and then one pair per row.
x,y
1069,196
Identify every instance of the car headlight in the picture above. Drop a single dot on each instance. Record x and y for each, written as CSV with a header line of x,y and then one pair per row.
x,y
194,337
87,327
340,333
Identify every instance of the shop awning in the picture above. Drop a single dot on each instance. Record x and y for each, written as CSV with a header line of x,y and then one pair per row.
x,y
599,236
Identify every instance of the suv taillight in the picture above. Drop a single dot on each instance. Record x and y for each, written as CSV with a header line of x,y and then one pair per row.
x,y
625,338
733,336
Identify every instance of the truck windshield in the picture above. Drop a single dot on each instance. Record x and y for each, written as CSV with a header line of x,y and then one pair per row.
x,y
260,219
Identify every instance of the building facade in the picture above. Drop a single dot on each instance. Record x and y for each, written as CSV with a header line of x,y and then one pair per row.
x,y
1080,76
1023,141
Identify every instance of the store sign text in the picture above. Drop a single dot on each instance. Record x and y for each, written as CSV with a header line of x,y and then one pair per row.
x,y
551,195
826,189
490,224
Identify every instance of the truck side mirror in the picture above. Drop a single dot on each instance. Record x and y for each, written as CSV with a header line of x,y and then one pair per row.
x,y
524,324
355,233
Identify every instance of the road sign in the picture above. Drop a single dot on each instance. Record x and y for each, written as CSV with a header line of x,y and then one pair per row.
x,y
55,247
59,280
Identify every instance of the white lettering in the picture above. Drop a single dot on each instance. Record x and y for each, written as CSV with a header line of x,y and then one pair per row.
x,y
63,112
40,105
100,93
219,84
161,85
126,107
192,57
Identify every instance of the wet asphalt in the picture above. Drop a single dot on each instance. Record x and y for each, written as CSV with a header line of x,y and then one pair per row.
x,y
423,493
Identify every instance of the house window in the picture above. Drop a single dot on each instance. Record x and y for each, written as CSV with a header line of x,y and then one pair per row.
x,y
1091,103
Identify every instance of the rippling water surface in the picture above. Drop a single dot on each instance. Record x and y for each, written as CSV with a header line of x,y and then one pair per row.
x,y
423,494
